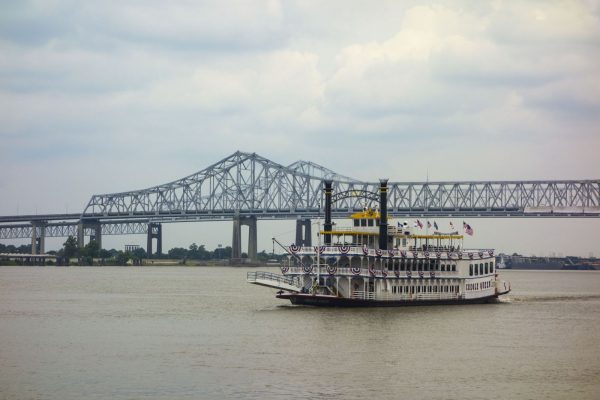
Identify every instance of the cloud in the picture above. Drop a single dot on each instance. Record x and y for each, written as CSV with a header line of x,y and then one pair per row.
x,y
457,88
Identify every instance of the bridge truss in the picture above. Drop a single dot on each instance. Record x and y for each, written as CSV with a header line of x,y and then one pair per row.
x,y
246,183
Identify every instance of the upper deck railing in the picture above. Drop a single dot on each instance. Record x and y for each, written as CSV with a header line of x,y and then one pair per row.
x,y
430,252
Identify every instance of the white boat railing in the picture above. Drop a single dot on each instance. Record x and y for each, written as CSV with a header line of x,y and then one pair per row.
x,y
359,294
367,272
429,253
255,276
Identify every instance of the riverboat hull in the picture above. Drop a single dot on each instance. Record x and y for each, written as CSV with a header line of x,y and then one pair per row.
x,y
334,301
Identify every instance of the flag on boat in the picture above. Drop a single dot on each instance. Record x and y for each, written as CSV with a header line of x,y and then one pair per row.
x,y
428,224
468,228
435,225
420,224
451,226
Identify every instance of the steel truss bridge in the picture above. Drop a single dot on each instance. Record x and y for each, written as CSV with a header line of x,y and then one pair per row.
x,y
246,186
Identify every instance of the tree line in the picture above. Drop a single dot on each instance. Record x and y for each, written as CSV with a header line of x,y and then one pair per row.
x,y
91,252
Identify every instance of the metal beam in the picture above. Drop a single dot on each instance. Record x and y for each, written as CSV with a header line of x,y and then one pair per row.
x,y
246,184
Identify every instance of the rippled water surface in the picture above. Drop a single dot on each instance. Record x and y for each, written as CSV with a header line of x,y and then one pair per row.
x,y
203,333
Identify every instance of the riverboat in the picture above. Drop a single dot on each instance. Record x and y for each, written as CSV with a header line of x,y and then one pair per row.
x,y
376,263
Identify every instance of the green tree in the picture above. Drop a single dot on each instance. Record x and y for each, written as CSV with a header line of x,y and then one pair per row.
x,y
122,258
178,253
139,253
104,254
71,249
91,249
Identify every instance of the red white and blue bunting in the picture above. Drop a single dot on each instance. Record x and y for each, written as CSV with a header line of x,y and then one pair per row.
x,y
344,249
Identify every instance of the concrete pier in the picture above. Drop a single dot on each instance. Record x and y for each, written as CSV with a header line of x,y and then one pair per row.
x,y
154,232
236,240
38,237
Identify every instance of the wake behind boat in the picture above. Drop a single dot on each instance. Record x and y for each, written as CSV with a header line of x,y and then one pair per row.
x,y
373,263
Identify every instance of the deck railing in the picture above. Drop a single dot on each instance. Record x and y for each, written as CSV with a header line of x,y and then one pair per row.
x,y
253,276
359,294
366,272
432,253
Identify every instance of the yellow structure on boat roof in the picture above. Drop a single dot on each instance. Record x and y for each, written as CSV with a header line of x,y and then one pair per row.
x,y
369,213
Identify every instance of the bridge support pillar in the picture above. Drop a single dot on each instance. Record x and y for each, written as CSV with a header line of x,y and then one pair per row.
x,y
38,237
236,240
96,227
97,236
80,234
154,232
303,232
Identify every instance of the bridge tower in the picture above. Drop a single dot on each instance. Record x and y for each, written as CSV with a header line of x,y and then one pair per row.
x,y
236,242
38,242
303,232
154,232
95,226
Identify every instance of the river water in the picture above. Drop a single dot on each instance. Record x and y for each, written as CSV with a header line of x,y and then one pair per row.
x,y
203,333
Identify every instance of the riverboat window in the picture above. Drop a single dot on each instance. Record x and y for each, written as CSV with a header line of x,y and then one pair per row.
x,y
470,269
443,266
369,222
356,222
363,222
487,266
476,270
453,267
491,267
481,269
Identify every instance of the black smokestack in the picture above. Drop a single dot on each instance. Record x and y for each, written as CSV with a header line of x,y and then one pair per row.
x,y
328,226
383,237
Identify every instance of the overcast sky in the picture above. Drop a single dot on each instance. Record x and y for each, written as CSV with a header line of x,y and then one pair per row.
x,y
109,96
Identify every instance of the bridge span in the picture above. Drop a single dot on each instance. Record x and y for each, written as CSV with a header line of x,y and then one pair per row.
x,y
246,187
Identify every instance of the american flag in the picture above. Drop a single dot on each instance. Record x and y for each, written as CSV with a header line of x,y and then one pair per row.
x,y
420,224
428,224
435,225
451,226
468,228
